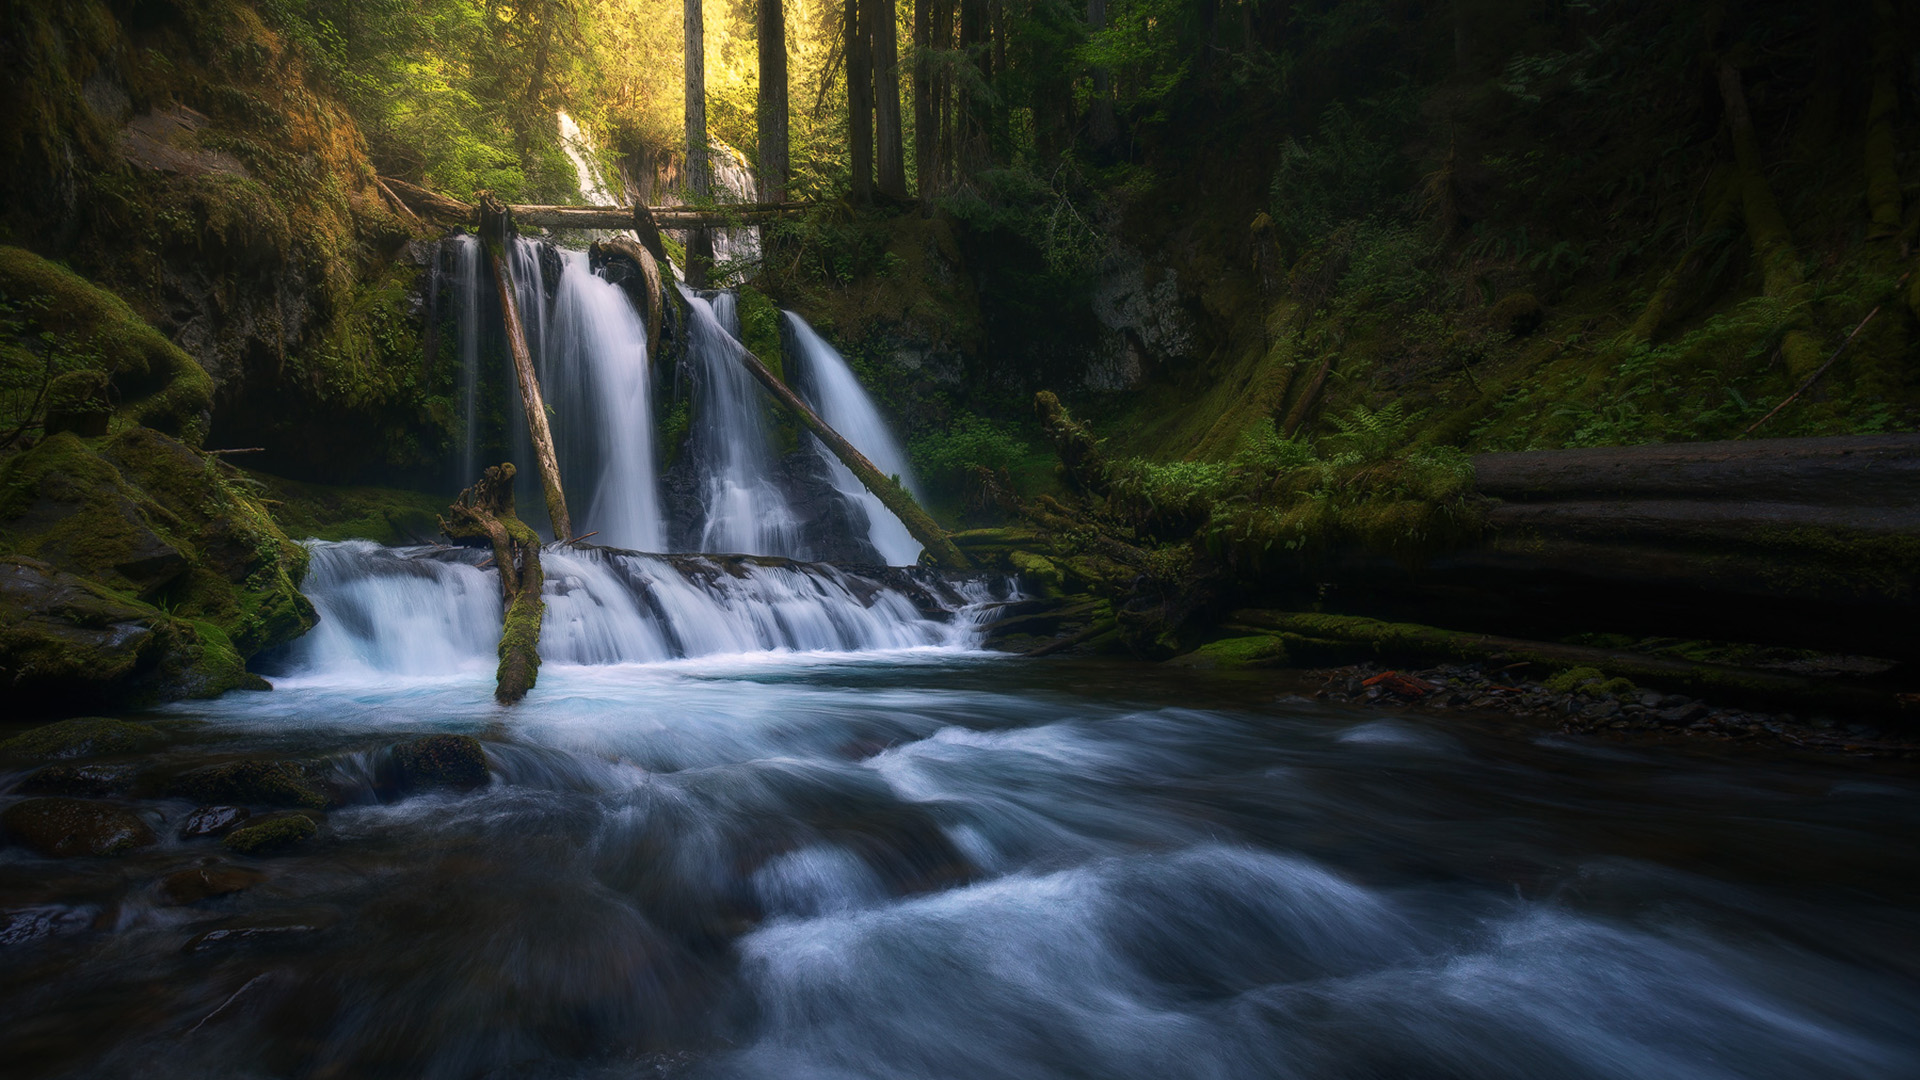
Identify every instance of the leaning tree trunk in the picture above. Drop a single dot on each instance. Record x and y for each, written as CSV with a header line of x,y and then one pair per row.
x,y
888,490
889,149
699,168
859,54
484,512
1766,226
496,229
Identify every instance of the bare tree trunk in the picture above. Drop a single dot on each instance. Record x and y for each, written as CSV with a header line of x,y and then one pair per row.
x,y
889,150
1766,226
859,54
771,30
496,230
699,169
1883,174
926,133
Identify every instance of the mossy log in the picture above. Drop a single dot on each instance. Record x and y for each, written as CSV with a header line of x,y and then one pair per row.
x,y
647,221
1397,642
496,227
1079,451
1661,305
485,512
939,546
1766,226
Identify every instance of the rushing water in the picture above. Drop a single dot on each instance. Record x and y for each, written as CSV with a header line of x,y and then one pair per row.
x,y
745,509
933,863
824,379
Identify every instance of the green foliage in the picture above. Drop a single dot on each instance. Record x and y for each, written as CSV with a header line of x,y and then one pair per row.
x,y
1349,170
944,459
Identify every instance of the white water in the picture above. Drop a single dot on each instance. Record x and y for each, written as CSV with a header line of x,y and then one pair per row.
x,y
580,150
823,378
466,292
745,510
595,379
425,612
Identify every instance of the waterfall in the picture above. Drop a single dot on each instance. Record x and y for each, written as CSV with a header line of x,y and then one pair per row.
x,y
580,150
432,611
827,383
466,313
594,375
744,509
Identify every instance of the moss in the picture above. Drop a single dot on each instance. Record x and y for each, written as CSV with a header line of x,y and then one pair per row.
x,y
1228,654
1036,571
156,382
257,783
1589,680
457,761
63,828
81,737
1519,314
520,646
391,516
271,836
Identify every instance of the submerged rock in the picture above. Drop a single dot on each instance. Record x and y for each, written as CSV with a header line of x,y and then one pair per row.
x,y
86,736
259,783
68,827
272,836
455,761
85,781
206,882
213,821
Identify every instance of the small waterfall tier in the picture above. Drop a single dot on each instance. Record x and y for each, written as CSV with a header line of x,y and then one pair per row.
x,y
429,611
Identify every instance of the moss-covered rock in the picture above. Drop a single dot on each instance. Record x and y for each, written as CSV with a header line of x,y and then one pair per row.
x,y
1228,654
199,883
327,512
81,737
256,783
80,781
455,761
272,836
67,827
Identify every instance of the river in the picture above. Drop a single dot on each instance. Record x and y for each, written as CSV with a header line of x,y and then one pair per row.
x,y
934,862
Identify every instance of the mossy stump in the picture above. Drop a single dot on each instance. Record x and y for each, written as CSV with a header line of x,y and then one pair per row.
x,y
484,512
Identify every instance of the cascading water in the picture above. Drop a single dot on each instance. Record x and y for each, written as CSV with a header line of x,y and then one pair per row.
x,y
744,510
594,374
828,384
432,611
466,291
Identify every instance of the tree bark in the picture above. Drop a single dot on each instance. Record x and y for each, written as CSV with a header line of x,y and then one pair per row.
x,y
496,232
771,116
650,273
889,147
939,545
975,122
926,133
1766,226
1883,174
859,55
485,512
699,169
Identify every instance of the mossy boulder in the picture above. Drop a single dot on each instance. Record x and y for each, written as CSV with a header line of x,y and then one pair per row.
x,y
1228,654
199,883
1519,314
83,781
455,761
81,737
254,783
272,836
62,828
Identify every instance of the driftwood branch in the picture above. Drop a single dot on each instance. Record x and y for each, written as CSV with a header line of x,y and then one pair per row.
x,y
484,512
496,229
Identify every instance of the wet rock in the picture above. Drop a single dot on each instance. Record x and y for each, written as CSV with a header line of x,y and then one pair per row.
x,y
1685,713
213,821
259,783
68,827
205,882
455,761
36,924
231,937
272,836
86,736
84,781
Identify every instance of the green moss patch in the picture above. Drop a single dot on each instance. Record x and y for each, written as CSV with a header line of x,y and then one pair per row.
x,y
272,836
81,737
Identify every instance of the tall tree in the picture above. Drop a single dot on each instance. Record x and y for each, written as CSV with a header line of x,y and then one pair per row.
x,y
975,122
888,146
699,172
859,56
926,132
770,27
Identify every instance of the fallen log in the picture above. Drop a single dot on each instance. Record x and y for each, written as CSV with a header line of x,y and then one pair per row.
x,y
438,208
892,495
496,228
649,273
484,512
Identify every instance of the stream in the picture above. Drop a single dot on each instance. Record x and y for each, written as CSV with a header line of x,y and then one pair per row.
x,y
925,861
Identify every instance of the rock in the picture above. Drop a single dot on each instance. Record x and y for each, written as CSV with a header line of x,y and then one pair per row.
x,y
1682,714
272,836
455,761
258,783
67,827
213,821
245,935
87,736
205,882
85,781
35,924
1519,314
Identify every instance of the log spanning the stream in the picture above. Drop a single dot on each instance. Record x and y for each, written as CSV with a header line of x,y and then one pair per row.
x,y
496,228
435,207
